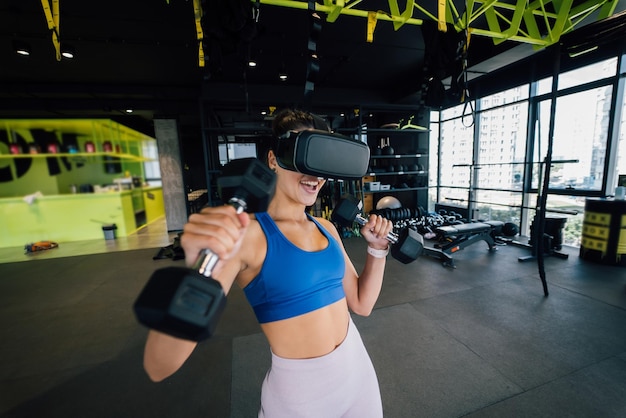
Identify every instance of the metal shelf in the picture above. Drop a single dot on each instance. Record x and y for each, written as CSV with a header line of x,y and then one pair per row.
x,y
398,156
77,155
395,173
394,190
382,131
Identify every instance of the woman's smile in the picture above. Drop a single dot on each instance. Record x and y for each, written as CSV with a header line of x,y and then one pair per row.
x,y
310,185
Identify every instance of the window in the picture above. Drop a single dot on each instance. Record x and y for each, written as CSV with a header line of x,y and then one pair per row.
x,y
620,166
544,86
152,170
497,165
580,133
433,160
588,73
505,97
502,142
456,156
233,151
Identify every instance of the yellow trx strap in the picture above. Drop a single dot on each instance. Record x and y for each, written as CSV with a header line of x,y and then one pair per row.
x,y
372,18
441,16
197,8
53,17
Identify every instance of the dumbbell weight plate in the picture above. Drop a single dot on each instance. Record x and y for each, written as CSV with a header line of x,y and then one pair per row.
x,y
181,303
409,247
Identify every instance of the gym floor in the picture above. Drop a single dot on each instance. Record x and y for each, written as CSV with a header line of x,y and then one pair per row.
x,y
480,340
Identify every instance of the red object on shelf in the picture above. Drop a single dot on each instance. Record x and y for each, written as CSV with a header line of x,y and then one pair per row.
x,y
107,146
90,147
53,148
15,149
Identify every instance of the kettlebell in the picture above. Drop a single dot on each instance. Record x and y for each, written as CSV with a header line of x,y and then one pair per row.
x,y
388,150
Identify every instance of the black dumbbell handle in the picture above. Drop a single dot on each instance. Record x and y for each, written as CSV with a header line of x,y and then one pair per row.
x,y
207,259
392,237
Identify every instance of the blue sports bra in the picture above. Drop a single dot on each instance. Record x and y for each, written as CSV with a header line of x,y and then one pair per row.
x,y
292,281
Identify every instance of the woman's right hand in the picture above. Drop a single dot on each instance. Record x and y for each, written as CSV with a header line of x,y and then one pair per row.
x,y
220,229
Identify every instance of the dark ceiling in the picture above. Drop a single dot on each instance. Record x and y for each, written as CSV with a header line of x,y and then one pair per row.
x,y
143,54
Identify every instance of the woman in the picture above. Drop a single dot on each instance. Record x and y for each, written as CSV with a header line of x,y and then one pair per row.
x,y
301,284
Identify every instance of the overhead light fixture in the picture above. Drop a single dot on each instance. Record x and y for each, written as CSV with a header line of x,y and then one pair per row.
x,y
67,51
129,110
580,52
251,63
21,48
282,74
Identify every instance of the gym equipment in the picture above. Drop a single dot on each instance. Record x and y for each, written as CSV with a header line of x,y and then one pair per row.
x,y
552,239
322,154
388,202
386,147
407,246
510,229
388,150
186,302
450,234
453,238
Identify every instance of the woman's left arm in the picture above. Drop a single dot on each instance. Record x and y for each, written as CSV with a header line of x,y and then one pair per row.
x,y
362,290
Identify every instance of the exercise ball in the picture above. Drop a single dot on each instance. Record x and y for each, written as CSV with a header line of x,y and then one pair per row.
x,y
388,202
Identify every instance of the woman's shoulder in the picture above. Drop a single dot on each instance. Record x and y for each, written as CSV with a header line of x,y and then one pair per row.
x,y
328,225
254,228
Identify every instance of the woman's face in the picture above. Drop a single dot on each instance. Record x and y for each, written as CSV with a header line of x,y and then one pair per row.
x,y
302,188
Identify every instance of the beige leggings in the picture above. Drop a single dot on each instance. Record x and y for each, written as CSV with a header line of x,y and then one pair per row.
x,y
342,383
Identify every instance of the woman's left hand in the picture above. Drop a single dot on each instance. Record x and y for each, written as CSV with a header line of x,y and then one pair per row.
x,y
375,232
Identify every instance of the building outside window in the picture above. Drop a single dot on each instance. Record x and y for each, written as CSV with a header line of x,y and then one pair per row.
x,y
485,166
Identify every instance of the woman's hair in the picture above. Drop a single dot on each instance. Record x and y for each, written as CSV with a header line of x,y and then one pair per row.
x,y
296,120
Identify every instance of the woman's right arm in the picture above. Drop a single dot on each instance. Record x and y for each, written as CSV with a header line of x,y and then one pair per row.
x,y
164,354
221,230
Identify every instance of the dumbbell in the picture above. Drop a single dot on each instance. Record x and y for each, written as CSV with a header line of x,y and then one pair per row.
x,y
186,302
406,247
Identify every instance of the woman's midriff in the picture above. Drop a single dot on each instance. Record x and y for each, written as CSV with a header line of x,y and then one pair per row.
x,y
311,335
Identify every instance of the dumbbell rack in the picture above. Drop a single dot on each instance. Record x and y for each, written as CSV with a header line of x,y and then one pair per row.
x,y
397,170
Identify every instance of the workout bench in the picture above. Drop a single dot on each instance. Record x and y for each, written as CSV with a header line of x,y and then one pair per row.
x,y
453,238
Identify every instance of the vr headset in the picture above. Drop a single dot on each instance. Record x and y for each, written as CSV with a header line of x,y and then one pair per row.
x,y
322,154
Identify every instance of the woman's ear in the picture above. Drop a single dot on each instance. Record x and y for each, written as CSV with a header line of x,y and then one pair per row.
x,y
271,160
